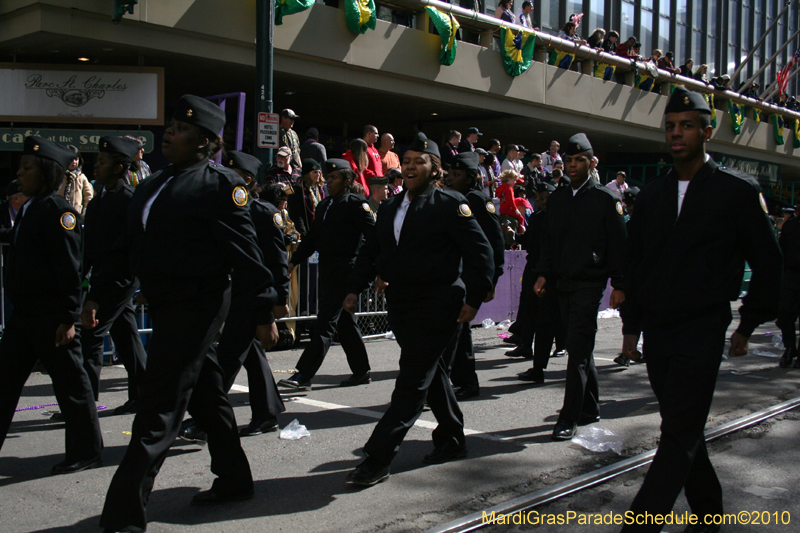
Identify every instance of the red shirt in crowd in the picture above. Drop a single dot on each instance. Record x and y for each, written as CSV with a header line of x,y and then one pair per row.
x,y
362,176
374,161
507,205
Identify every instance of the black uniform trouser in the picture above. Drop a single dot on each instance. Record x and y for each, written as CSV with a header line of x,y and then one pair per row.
x,y
27,339
116,316
682,364
424,324
526,311
331,319
579,313
237,347
181,365
789,309
463,373
549,327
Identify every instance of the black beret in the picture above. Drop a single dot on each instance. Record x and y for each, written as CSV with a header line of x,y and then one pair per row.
x,y
119,145
49,150
200,112
310,165
333,165
630,194
465,161
683,99
378,180
472,130
578,143
248,163
422,144
544,187
12,188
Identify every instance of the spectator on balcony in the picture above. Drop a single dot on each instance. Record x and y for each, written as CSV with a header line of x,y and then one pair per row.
x,y
626,49
611,42
468,144
395,176
494,148
721,82
701,74
389,159
597,38
289,137
524,15
551,156
505,11
655,57
512,161
282,171
568,33
450,148
637,51
667,63
750,92
359,162
307,193
687,68
312,148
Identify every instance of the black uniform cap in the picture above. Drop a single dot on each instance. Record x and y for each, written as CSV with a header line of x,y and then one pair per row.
x,y
310,165
200,112
422,144
578,143
249,163
465,161
119,145
333,165
378,180
49,150
630,194
683,99
544,187
472,130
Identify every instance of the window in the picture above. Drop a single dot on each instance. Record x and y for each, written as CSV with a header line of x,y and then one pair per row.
x,y
697,48
682,44
663,7
746,41
711,56
550,15
681,11
573,6
733,58
647,4
663,34
626,28
646,32
596,14
713,23
733,23
698,15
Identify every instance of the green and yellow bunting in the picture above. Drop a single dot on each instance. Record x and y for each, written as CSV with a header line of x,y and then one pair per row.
x,y
447,26
561,59
360,15
710,101
796,124
645,82
756,114
736,115
517,50
290,7
777,128
604,71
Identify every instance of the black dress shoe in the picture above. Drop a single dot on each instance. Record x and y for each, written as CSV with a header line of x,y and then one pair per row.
x,y
257,427
67,467
564,430
189,431
354,380
534,375
368,473
559,353
585,420
622,360
127,408
212,497
468,391
446,453
520,351
513,339
298,381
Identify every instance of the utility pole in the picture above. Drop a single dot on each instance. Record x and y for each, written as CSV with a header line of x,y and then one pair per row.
x,y
265,29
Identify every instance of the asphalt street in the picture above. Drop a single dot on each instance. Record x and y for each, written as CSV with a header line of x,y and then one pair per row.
x,y
300,484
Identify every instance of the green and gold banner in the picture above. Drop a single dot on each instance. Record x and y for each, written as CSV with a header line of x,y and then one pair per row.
x,y
777,128
517,50
604,71
290,7
360,15
710,101
447,26
736,115
561,59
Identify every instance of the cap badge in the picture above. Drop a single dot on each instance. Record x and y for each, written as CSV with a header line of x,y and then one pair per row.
x,y
686,100
35,147
464,210
277,219
425,145
68,221
240,196
619,208
105,145
490,207
366,207
188,112
333,165
577,146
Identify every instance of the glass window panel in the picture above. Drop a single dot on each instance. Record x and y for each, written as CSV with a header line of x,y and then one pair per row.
x,y
489,6
646,33
746,40
711,56
663,7
733,52
713,23
573,6
697,14
697,48
733,23
681,50
647,4
549,15
663,34
758,23
626,30
596,14
681,11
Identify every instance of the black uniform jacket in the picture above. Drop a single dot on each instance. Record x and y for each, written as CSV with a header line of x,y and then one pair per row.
x,y
533,244
485,213
199,232
43,269
337,230
439,234
790,247
583,242
269,230
681,267
105,248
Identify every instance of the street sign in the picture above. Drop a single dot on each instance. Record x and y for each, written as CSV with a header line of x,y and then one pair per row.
x,y
13,139
268,130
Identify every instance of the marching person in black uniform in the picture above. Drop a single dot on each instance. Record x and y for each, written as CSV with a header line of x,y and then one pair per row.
x,y
341,220
463,177
546,326
582,246
629,199
189,228
235,347
43,282
437,266
790,291
109,304
692,230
